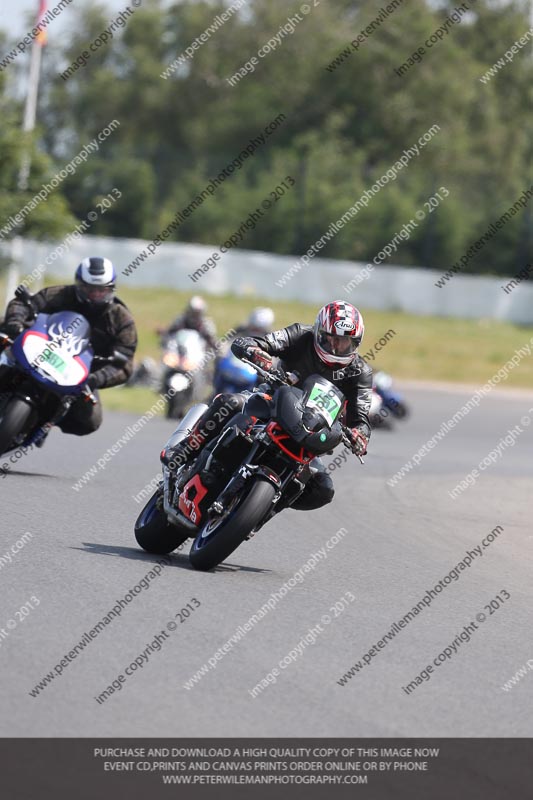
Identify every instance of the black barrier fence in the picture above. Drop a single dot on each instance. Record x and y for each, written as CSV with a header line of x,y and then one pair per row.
x,y
377,769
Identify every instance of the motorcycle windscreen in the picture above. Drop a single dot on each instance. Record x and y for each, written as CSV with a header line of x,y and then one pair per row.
x,y
189,338
190,349
55,360
324,398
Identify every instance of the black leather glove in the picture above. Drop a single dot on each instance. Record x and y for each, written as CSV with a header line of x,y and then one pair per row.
x,y
12,329
92,382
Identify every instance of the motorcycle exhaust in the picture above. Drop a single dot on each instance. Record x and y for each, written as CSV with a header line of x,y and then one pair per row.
x,y
186,425
184,429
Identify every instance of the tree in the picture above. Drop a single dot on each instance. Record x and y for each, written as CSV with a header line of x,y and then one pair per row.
x,y
348,116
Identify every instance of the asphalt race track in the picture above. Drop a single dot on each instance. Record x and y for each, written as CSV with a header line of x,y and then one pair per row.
x,y
400,541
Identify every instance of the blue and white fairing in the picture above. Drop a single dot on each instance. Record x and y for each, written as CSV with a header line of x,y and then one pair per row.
x,y
56,351
392,399
232,375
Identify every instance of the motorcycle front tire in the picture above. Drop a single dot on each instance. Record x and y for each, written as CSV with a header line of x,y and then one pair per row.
x,y
214,543
13,421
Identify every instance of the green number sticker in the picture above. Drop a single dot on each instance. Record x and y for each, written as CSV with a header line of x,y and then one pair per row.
x,y
329,404
54,360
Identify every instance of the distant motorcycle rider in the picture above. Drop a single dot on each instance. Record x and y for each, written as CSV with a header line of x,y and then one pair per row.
x,y
259,323
112,329
329,348
194,318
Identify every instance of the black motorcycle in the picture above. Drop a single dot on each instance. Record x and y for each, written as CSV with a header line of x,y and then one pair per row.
x,y
257,466
183,378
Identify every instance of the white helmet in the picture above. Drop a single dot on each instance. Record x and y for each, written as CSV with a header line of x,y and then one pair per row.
x,y
261,319
195,311
95,281
198,304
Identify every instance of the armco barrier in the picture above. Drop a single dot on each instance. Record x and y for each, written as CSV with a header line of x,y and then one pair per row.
x,y
248,272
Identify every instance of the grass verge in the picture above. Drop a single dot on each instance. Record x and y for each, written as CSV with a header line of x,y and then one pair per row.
x,y
424,348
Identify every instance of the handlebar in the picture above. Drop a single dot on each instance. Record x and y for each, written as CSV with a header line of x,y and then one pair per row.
x,y
273,375
348,442
117,359
88,396
289,379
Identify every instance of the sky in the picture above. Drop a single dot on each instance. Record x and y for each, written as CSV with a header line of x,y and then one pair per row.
x,y
14,13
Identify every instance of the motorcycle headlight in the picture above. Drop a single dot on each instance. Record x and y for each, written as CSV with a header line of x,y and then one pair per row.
x,y
178,382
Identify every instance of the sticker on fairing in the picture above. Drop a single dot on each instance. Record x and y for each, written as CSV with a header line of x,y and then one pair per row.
x,y
56,361
42,356
328,404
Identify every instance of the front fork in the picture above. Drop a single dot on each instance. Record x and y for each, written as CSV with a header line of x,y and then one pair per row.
x,y
245,473
248,471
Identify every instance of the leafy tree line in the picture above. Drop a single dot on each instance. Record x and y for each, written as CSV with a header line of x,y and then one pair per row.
x,y
344,127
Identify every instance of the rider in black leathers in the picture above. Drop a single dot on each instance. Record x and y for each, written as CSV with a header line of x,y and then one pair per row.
x,y
328,348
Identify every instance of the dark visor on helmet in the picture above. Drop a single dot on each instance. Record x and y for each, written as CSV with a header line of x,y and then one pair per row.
x,y
95,294
337,345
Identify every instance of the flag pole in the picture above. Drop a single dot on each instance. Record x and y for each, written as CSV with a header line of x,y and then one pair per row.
x,y
28,125
30,108
30,112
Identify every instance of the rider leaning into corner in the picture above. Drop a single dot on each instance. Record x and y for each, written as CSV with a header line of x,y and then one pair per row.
x,y
329,348
194,318
112,329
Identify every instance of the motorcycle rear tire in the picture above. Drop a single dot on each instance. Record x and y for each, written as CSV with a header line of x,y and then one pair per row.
x,y
154,533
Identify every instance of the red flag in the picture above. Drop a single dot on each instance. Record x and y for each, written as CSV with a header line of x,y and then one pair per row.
x,y
42,36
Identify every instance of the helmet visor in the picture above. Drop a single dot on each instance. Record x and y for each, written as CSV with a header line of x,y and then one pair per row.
x,y
337,345
95,294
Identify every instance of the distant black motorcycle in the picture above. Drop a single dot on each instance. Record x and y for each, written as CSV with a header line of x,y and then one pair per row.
x,y
183,358
257,466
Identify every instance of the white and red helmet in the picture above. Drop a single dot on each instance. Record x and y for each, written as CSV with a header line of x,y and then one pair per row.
x,y
338,332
